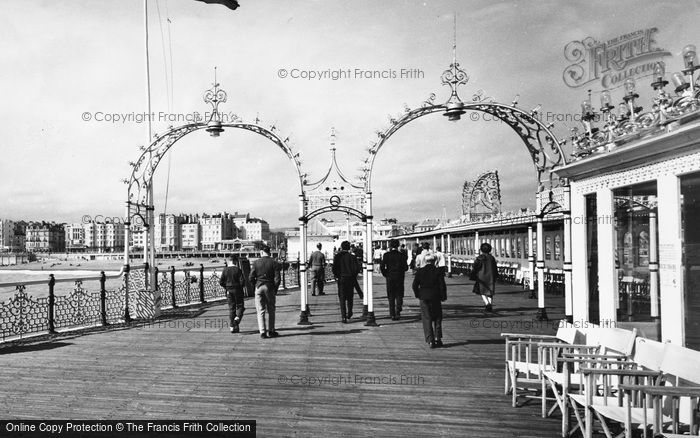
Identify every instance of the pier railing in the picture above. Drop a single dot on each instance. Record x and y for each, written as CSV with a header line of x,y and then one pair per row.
x,y
82,302
52,304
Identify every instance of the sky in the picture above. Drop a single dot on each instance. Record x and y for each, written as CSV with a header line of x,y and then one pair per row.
x,y
69,66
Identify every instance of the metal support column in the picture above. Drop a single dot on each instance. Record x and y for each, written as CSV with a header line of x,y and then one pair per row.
x,y
541,311
568,289
303,286
370,263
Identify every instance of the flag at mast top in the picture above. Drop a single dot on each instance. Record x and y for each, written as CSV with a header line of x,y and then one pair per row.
x,y
231,4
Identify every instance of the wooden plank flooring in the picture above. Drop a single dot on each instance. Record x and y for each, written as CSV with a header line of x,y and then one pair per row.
x,y
328,379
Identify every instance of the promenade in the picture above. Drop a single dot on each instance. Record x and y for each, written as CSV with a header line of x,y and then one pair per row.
x,y
328,379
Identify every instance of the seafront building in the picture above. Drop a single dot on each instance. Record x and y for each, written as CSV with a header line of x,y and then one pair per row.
x,y
12,236
191,236
168,233
75,237
45,237
203,231
7,235
216,228
254,229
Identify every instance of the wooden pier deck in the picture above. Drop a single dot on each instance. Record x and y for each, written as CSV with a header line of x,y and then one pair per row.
x,y
328,379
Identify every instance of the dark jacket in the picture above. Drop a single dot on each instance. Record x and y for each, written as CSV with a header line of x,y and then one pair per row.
x,y
484,273
265,270
393,264
345,265
429,284
232,278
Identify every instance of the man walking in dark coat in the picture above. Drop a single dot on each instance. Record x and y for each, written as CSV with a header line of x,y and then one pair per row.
x,y
265,275
232,280
429,286
393,267
345,272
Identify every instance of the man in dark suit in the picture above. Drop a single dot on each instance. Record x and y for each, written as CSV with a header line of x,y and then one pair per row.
x,y
345,272
357,251
265,275
232,280
429,286
393,267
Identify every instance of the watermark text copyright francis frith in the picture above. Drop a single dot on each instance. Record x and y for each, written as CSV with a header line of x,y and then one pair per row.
x,y
342,379
348,73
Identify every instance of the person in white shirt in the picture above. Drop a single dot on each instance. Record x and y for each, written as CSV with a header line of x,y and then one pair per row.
x,y
441,262
420,259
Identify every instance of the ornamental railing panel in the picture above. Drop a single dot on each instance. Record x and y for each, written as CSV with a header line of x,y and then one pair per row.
x,y
22,315
79,308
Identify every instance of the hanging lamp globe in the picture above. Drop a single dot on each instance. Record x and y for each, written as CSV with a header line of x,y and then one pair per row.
x,y
214,128
454,111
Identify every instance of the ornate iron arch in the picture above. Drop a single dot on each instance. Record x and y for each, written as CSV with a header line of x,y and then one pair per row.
x,y
551,203
144,168
339,209
334,192
545,149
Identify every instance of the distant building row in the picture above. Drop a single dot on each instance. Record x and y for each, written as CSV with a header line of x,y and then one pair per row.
x,y
172,233
202,232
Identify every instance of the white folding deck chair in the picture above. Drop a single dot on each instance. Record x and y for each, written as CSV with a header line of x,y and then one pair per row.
x,y
612,345
523,371
675,404
602,395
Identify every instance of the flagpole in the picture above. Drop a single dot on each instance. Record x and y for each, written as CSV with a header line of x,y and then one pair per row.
x,y
149,247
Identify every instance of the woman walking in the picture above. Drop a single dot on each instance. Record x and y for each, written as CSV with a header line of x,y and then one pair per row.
x,y
484,274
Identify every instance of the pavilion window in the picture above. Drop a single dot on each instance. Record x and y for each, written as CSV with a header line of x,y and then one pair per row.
x,y
690,235
635,207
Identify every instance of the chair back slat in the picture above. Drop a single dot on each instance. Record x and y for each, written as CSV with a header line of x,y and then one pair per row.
x,y
681,362
648,354
614,341
568,335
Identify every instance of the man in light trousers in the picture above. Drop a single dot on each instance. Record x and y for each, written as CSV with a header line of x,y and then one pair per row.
x,y
265,275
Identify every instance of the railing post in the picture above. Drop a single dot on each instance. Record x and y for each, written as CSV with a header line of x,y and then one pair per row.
x,y
299,273
156,286
103,298
201,283
172,286
127,316
52,303
284,281
188,289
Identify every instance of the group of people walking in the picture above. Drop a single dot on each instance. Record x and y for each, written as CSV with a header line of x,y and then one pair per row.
x,y
428,284
266,278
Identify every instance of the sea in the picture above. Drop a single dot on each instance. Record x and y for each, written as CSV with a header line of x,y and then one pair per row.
x,y
91,282
39,271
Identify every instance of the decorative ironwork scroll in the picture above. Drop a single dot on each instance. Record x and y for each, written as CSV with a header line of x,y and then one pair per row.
x,y
22,314
483,195
212,289
80,307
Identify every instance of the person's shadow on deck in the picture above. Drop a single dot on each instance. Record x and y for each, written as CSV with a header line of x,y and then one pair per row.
x,y
33,347
475,342
306,331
